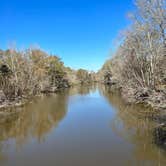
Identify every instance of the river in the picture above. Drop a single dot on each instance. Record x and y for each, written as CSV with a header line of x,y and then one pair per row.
x,y
81,126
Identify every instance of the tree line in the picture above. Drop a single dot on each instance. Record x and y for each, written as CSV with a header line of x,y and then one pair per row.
x,y
140,61
32,71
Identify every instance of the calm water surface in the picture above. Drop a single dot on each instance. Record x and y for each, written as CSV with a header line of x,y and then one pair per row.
x,y
83,126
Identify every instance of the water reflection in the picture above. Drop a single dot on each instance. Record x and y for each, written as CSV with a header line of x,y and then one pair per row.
x,y
133,124
73,123
83,90
34,120
40,116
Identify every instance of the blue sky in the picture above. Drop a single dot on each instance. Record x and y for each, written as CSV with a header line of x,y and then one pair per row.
x,y
81,32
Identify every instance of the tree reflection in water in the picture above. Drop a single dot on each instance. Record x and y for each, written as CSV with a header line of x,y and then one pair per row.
x,y
35,120
132,124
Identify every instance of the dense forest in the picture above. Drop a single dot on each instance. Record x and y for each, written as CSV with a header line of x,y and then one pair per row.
x,y
30,72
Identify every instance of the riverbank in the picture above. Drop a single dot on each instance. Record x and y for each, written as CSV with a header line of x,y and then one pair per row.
x,y
156,100
6,104
152,98
14,103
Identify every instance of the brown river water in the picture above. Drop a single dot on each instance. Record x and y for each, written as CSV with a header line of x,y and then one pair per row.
x,y
81,126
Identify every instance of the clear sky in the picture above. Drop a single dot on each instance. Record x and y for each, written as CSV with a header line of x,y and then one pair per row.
x,y
81,32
